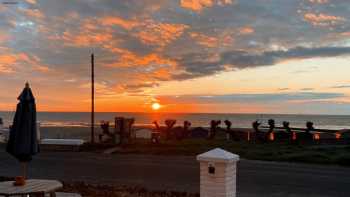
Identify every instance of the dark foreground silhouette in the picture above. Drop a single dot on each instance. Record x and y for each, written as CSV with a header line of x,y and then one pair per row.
x,y
181,173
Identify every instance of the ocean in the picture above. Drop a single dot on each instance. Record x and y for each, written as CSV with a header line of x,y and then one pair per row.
x,y
82,119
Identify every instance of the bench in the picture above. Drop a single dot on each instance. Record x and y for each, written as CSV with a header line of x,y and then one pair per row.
x,y
72,142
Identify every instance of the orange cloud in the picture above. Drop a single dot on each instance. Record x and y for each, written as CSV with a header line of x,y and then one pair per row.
x,y
322,19
135,88
345,33
205,40
88,34
112,20
85,38
31,1
130,59
4,37
148,30
319,1
5,63
152,67
161,34
9,61
246,30
160,74
3,8
41,68
199,5
33,13
223,39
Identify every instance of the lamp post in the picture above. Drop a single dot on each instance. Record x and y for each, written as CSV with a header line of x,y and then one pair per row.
x,y
92,99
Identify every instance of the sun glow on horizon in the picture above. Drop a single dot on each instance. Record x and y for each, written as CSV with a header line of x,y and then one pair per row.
x,y
156,106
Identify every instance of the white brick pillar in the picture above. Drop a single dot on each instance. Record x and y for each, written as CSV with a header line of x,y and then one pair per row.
x,y
218,173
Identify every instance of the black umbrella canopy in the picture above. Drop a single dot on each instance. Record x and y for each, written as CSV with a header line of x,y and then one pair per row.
x,y
22,142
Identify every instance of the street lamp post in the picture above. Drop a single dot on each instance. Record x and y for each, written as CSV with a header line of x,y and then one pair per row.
x,y
92,99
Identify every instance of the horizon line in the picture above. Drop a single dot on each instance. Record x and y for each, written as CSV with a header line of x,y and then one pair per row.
x,y
163,112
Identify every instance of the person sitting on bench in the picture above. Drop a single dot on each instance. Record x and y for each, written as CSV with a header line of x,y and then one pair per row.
x,y
214,124
259,135
288,130
309,127
105,132
270,135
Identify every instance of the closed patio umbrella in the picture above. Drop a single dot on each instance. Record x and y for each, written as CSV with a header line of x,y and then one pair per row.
x,y
23,142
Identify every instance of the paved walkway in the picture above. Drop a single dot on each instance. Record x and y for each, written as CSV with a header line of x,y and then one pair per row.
x,y
255,178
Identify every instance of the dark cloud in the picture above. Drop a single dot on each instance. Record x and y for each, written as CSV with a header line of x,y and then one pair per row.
x,y
243,59
200,64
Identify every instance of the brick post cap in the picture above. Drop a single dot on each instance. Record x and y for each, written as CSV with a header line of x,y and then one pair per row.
x,y
218,155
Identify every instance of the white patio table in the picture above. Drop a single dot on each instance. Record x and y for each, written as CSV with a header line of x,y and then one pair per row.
x,y
33,187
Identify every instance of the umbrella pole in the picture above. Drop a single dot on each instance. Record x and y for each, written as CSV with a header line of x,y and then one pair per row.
x,y
24,168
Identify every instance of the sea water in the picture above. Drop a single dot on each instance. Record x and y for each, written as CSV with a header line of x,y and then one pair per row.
x,y
82,119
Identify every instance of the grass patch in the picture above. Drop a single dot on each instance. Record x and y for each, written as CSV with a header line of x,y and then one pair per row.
x,y
343,159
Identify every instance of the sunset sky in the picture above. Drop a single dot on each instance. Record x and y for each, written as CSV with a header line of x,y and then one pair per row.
x,y
220,56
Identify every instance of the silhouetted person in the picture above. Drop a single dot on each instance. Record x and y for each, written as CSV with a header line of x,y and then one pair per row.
x,y
288,130
271,123
155,138
229,132
105,130
213,128
105,127
186,130
286,127
1,122
156,125
228,129
309,128
256,125
228,124
258,134
170,124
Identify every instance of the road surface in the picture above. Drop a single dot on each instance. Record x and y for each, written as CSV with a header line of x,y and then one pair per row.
x,y
181,173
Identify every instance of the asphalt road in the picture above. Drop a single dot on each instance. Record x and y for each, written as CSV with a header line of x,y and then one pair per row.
x,y
181,173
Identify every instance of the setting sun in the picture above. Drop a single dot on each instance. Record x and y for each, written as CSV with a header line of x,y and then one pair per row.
x,y
156,106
